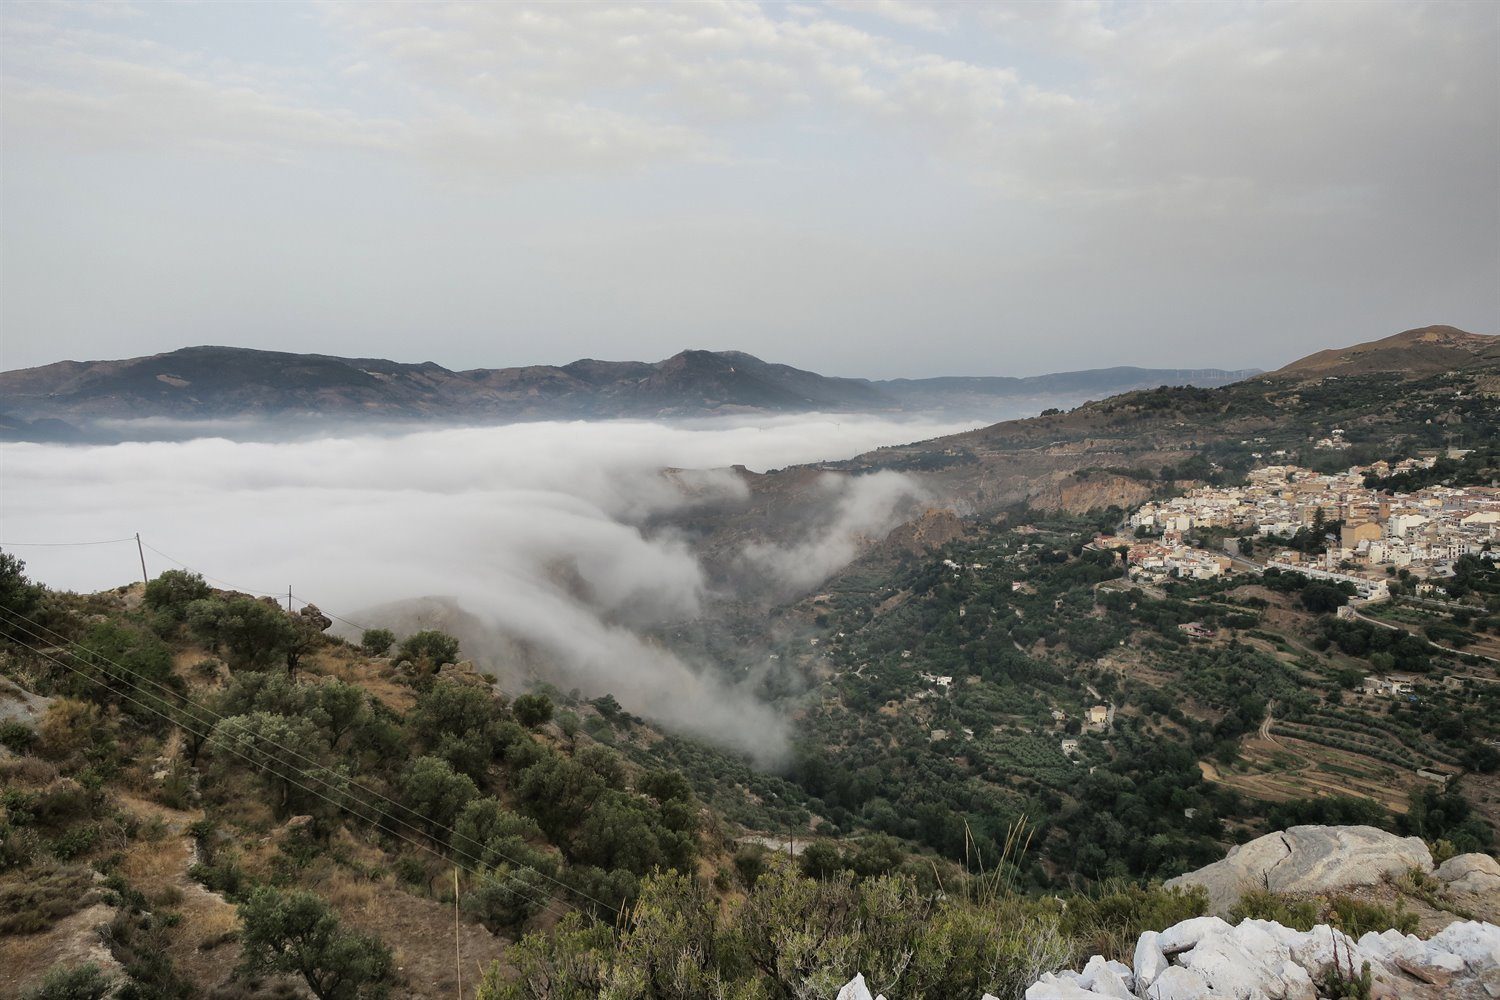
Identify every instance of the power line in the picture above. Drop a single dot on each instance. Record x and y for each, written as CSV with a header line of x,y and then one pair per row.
x,y
330,614
36,631
342,805
225,583
251,590
149,707
452,833
49,545
171,558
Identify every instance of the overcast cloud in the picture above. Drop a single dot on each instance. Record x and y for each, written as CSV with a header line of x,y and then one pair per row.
x,y
880,189
532,529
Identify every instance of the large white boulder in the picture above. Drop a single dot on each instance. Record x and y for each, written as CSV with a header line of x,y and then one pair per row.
x,y
1149,962
1106,977
1186,933
1391,945
1477,943
855,989
1320,947
1249,963
1206,959
1472,881
1178,983
1307,859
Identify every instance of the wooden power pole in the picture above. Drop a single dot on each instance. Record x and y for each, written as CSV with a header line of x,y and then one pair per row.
x,y
142,553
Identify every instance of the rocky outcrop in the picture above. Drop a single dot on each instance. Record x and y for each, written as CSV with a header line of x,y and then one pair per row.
x,y
1207,958
1082,492
1307,860
1473,876
20,705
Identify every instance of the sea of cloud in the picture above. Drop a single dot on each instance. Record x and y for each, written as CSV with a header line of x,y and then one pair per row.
x,y
532,531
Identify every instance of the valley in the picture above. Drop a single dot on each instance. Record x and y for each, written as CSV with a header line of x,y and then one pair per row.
x,y
983,694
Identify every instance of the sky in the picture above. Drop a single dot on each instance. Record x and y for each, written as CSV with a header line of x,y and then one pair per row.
x,y
877,189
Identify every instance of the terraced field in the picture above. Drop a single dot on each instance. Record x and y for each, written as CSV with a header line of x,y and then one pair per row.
x,y
1327,755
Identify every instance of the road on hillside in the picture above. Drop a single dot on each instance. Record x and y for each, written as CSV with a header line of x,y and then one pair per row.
x,y
1398,628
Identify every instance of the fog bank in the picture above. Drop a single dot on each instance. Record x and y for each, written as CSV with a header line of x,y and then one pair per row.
x,y
530,529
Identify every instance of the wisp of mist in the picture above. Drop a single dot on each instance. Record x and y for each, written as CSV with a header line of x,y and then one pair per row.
x,y
531,529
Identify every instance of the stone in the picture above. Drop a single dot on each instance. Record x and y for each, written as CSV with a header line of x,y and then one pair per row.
x,y
1323,945
1391,945
1476,943
1185,934
855,989
1481,867
1307,860
1251,964
1177,983
1149,961
1100,976
1061,987
1425,973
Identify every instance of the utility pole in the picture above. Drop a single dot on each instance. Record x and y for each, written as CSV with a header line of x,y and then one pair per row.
x,y
458,951
142,552
289,598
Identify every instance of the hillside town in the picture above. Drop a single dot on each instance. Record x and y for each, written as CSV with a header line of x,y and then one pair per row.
x,y
1367,535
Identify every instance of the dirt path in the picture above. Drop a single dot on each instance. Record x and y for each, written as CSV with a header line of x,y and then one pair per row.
x,y
202,946
1265,727
1398,628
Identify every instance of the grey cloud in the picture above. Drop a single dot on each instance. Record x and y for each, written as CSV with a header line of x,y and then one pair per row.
x,y
529,529
861,509
970,188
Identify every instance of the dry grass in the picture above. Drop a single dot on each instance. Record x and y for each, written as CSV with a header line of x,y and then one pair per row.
x,y
27,772
150,866
73,940
419,931
378,678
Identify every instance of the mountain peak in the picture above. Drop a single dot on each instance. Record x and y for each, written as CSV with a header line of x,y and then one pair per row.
x,y
1425,350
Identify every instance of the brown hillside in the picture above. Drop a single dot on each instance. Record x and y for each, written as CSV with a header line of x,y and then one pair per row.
x,y
1426,351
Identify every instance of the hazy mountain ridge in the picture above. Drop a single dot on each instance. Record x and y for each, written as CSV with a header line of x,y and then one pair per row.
x,y
1104,450
1427,350
219,383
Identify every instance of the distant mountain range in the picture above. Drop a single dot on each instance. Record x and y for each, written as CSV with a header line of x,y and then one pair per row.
x,y
230,383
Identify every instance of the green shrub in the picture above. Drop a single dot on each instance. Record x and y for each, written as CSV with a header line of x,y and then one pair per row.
x,y
174,590
429,649
532,710
1263,904
377,641
1110,921
1355,917
78,982
17,737
75,841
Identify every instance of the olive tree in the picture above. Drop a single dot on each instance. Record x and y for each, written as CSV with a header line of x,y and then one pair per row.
x,y
297,932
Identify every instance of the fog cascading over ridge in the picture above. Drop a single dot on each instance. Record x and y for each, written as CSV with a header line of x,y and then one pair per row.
x,y
530,529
